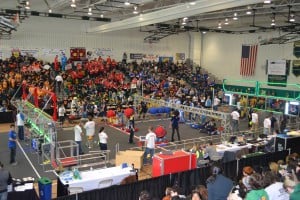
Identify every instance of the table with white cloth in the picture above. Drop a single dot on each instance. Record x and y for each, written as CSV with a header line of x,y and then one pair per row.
x,y
221,148
90,179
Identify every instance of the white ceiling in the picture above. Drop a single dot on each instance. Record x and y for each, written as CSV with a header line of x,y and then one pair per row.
x,y
204,15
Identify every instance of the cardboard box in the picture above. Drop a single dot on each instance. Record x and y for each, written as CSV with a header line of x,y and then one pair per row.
x,y
130,157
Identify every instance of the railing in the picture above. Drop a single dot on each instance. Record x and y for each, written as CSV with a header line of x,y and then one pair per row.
x,y
262,89
222,116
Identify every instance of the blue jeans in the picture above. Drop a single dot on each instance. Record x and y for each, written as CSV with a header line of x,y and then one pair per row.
x,y
12,154
3,196
148,151
235,126
79,148
21,132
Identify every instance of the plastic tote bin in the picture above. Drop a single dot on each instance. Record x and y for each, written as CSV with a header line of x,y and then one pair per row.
x,y
45,188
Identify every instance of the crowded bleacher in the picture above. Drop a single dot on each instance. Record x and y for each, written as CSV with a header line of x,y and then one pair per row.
x,y
91,88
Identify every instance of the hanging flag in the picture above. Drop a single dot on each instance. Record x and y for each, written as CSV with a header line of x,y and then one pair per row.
x,y
248,60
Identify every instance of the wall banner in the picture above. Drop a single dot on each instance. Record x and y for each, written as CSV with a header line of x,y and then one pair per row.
x,y
296,67
296,49
103,52
136,56
29,52
165,59
150,57
180,56
53,52
276,67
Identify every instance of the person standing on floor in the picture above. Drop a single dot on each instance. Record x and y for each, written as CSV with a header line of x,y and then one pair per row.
x,y
89,127
131,135
267,125
150,144
175,125
235,115
274,122
5,180
78,136
59,82
102,139
20,123
61,114
12,144
254,120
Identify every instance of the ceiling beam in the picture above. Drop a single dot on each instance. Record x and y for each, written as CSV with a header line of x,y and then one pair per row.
x,y
179,11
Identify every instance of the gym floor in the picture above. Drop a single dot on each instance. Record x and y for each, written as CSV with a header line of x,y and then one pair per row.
x,y
29,163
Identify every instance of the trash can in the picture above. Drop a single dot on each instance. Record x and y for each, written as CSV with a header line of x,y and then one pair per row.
x,y
45,188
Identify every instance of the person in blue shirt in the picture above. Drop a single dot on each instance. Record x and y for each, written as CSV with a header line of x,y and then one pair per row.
x,y
174,125
12,144
218,186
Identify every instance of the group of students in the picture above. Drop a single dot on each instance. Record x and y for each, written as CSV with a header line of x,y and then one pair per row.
x,y
278,181
90,129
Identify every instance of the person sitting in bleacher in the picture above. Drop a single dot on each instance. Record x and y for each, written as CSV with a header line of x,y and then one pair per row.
x,y
256,188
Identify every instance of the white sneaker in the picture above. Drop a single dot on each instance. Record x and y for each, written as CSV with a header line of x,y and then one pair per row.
x,y
14,164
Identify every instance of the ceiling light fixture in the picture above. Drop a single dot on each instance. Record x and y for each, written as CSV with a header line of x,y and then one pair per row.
x,y
267,1
273,20
226,21
141,17
135,10
248,12
235,16
50,10
101,16
204,32
27,5
127,3
73,4
192,3
219,25
292,18
90,11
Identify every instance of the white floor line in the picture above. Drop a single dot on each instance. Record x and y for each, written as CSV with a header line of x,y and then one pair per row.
x,y
123,131
34,169
151,120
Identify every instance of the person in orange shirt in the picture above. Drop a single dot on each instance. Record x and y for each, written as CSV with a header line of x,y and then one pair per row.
x,y
168,194
108,60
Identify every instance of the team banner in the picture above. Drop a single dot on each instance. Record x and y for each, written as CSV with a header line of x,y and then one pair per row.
x,y
77,53
165,59
296,50
53,52
296,67
150,57
29,52
276,67
180,56
103,52
136,56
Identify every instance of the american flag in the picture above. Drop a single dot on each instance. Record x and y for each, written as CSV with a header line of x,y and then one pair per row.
x,y
248,60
